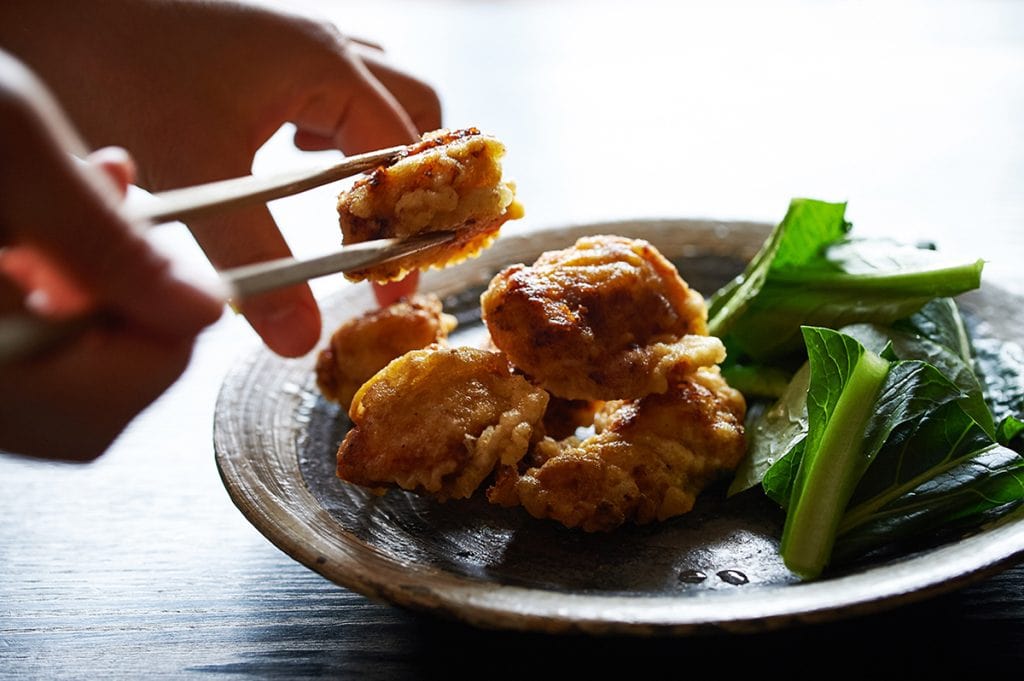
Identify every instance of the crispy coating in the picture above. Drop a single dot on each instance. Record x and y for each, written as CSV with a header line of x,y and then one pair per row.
x,y
608,318
364,345
439,421
452,180
649,460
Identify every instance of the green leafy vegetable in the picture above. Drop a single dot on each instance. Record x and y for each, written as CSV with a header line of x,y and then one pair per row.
x,y
807,227
757,380
917,461
899,422
845,379
1001,369
774,435
1009,430
939,469
949,360
781,426
809,273
940,322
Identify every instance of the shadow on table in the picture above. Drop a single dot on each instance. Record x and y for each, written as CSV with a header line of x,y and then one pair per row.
x,y
327,631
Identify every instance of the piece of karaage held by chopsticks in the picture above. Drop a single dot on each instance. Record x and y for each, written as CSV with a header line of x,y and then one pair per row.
x,y
450,181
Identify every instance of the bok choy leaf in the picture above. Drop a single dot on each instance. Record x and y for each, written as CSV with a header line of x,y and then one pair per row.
x,y
930,473
845,379
807,227
809,273
921,458
897,422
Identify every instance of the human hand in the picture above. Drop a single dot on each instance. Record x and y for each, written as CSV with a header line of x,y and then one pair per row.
x,y
66,250
193,89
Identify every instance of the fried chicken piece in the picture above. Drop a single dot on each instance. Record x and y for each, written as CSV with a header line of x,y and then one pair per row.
x,y
438,421
364,345
608,318
563,416
451,180
649,460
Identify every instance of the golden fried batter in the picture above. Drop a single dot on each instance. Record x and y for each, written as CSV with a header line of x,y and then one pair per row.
x,y
450,181
439,420
649,460
608,318
362,346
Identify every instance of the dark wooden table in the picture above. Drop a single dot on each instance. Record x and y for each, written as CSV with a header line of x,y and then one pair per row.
x,y
138,565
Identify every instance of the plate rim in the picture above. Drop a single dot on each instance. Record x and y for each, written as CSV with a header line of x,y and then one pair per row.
x,y
502,606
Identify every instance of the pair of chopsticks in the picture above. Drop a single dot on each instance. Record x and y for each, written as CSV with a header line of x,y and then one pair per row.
x,y
248,280
23,335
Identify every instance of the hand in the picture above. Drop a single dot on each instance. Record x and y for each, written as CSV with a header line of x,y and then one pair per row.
x,y
65,249
193,89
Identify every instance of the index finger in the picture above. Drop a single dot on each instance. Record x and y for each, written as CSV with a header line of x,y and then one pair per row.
x,y
348,105
410,106
288,320
416,97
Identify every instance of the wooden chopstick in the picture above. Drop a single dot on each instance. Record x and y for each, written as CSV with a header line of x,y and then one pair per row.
x,y
213,197
249,280
24,335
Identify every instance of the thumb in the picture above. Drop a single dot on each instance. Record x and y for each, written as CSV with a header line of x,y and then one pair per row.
x,y
70,212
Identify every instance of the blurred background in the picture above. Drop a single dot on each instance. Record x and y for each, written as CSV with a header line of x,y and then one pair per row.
x,y
910,111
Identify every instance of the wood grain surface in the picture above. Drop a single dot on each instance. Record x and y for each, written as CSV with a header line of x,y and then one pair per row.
x,y
140,566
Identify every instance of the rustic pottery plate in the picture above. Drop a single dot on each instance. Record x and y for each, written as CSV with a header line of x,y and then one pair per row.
x,y
716,568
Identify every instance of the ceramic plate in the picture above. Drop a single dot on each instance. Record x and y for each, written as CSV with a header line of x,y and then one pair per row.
x,y
716,568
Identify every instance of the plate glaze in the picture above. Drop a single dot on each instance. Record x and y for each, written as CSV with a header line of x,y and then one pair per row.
x,y
716,568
